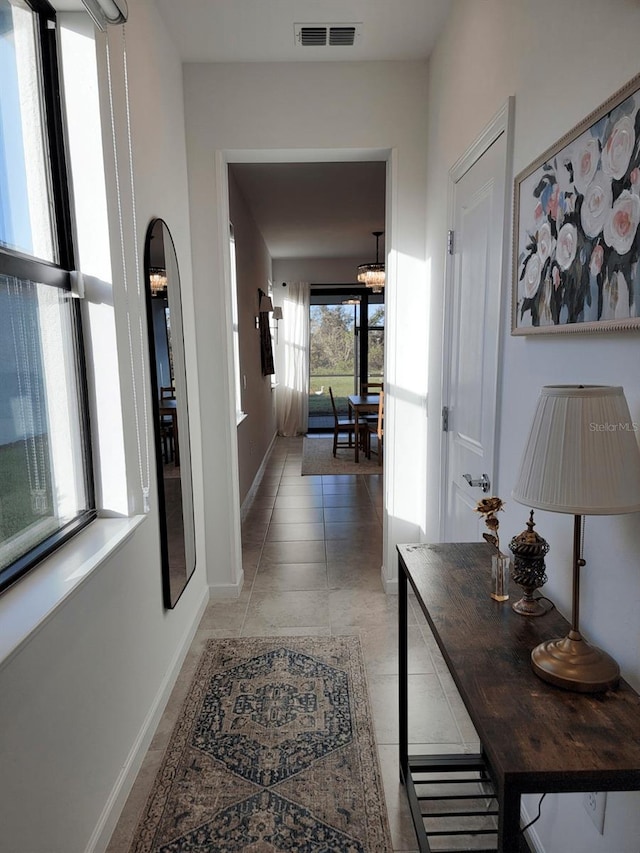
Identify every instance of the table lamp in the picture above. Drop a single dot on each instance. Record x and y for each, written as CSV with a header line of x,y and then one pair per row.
x,y
581,458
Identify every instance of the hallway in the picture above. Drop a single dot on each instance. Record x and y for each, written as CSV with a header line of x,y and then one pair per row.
x,y
312,551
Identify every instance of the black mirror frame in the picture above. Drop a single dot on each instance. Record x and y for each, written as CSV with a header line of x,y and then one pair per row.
x,y
170,599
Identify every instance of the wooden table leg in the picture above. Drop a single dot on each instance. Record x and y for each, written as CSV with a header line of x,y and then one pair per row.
x,y
357,431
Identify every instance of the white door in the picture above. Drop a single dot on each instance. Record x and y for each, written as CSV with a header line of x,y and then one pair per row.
x,y
473,320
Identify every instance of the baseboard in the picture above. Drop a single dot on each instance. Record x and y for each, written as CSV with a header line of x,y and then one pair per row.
x,y
105,827
226,591
390,585
246,503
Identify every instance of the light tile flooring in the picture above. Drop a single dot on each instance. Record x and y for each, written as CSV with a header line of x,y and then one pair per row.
x,y
312,550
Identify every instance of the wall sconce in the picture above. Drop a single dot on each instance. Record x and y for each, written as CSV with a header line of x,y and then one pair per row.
x,y
265,305
277,316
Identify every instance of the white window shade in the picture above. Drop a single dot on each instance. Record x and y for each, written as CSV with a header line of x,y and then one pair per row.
x,y
106,12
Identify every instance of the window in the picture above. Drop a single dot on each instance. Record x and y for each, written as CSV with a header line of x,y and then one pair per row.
x,y
375,348
46,484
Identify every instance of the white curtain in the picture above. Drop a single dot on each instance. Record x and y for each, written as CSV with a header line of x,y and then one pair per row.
x,y
292,394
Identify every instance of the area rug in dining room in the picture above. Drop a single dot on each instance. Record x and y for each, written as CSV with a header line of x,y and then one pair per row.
x,y
318,458
273,750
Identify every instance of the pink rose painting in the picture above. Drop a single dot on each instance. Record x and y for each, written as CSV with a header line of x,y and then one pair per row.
x,y
577,228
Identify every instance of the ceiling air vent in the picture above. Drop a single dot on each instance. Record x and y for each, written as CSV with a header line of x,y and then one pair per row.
x,y
342,35
327,35
313,36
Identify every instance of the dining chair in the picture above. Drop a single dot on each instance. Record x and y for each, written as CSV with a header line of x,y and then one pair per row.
x,y
341,426
370,388
167,438
167,392
377,429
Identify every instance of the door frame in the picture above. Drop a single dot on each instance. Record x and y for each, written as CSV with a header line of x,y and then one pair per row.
x,y
502,122
230,586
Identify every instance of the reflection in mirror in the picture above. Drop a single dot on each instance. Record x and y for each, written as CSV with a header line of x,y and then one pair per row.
x,y
170,411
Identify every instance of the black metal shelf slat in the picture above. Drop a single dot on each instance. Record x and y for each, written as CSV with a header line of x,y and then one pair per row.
x,y
469,850
445,797
443,765
448,762
456,833
443,781
434,815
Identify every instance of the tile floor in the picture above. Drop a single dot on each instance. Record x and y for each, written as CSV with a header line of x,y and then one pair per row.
x,y
312,551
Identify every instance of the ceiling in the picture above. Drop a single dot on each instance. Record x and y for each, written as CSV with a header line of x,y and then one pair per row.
x,y
312,210
315,210
263,30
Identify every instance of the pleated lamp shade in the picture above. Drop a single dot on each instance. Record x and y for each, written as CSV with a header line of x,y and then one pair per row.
x,y
582,455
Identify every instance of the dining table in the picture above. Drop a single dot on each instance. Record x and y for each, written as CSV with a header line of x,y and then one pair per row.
x,y
361,404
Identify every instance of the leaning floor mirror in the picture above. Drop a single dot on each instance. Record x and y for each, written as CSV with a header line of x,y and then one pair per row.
x,y
170,411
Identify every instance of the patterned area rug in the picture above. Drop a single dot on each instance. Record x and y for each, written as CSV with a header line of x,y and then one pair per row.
x,y
318,458
273,751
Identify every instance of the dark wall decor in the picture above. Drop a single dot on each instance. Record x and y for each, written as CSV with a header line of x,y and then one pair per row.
x,y
576,236
170,411
266,347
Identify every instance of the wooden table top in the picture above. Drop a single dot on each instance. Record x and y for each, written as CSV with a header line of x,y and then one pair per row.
x,y
532,732
360,400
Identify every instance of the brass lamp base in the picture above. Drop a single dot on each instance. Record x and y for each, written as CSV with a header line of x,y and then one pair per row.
x,y
573,664
529,606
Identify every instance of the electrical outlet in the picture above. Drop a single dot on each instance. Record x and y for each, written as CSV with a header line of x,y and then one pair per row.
x,y
595,803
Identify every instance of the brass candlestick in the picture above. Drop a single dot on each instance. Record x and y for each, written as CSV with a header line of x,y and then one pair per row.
x,y
529,550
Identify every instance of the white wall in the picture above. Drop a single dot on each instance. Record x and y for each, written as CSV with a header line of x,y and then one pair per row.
x,y
78,699
561,61
316,270
253,268
254,111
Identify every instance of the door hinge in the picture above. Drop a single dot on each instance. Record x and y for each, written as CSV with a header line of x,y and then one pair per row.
x,y
445,419
450,237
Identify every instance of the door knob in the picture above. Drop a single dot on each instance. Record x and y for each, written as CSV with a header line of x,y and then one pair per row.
x,y
483,483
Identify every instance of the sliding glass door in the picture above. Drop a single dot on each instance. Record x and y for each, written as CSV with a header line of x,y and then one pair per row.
x,y
373,371
346,343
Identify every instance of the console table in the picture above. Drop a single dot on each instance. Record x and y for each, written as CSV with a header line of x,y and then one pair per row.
x,y
534,737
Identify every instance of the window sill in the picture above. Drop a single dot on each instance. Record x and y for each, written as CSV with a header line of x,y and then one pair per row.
x,y
35,598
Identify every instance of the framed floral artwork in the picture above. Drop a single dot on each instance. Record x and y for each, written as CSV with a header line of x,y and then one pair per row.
x,y
576,235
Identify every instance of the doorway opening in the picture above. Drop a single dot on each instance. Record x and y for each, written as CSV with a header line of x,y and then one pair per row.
x,y
346,348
